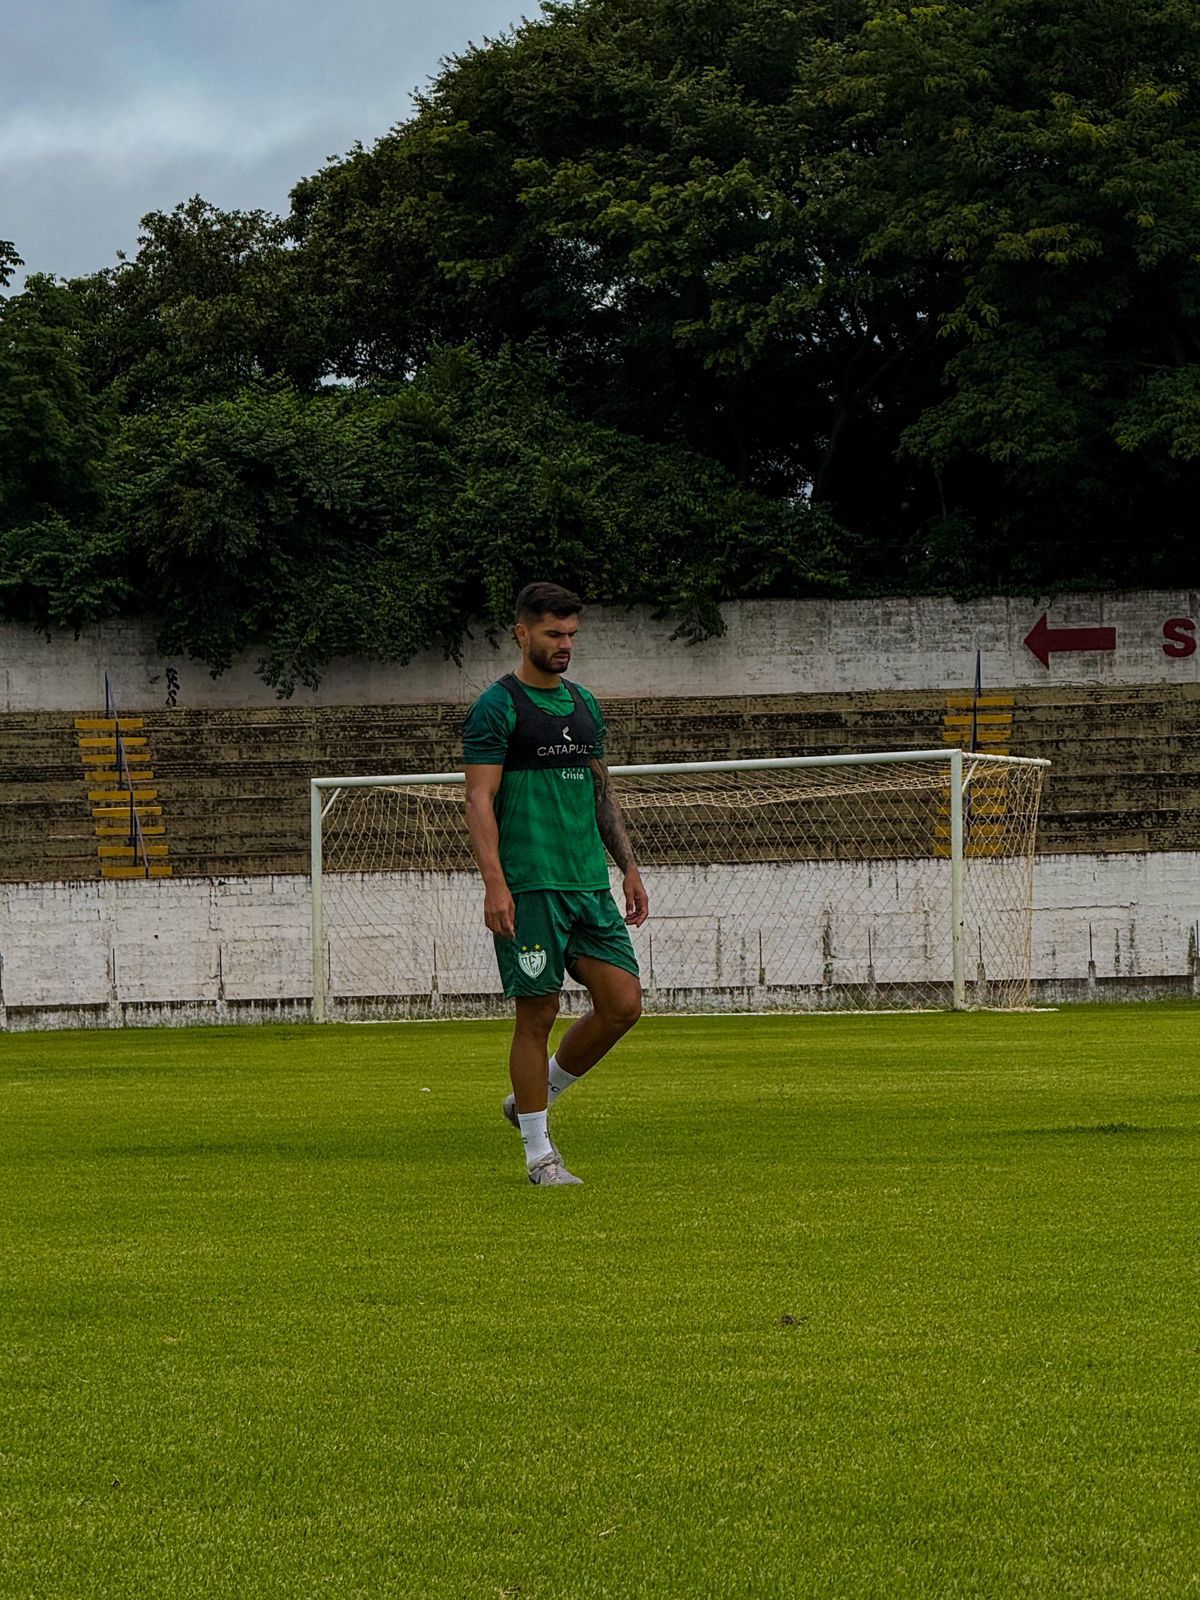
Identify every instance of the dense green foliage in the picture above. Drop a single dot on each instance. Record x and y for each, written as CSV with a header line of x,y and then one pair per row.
x,y
375,522
897,297
855,1307
929,264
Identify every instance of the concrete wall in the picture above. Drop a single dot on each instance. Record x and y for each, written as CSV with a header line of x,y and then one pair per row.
x,y
770,647
210,950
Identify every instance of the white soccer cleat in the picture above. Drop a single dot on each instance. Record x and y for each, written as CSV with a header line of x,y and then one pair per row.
x,y
551,1170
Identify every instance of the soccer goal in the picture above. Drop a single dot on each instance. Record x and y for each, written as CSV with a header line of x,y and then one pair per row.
x,y
896,880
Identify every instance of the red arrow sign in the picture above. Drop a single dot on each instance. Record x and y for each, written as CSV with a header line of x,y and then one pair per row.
x,y
1043,640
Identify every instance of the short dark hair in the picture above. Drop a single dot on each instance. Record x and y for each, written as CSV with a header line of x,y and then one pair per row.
x,y
537,599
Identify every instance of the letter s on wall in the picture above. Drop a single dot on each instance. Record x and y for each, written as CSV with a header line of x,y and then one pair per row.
x,y
1179,635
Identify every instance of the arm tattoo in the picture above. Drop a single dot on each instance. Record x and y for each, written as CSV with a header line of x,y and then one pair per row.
x,y
609,819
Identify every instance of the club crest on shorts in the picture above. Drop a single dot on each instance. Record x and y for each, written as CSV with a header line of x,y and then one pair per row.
x,y
532,962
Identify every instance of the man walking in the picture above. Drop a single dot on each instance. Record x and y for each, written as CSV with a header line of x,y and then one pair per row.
x,y
541,812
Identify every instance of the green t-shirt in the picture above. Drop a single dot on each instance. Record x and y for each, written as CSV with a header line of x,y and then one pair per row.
x,y
547,817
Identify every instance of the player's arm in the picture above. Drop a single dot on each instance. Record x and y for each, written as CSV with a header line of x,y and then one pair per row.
x,y
499,912
616,841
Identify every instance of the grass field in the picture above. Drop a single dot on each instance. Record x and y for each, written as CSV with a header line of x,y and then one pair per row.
x,y
903,1306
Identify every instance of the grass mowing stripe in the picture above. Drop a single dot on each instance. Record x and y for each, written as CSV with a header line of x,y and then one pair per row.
x,y
846,1307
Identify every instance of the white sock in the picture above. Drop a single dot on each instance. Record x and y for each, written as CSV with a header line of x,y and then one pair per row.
x,y
560,1079
535,1135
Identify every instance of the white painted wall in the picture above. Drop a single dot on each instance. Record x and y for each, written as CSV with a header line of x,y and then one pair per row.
x,y
770,647
216,949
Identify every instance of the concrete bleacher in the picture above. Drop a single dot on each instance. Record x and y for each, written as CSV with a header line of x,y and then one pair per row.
x,y
46,827
233,785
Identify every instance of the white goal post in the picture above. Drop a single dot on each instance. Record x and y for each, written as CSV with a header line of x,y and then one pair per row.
x,y
883,881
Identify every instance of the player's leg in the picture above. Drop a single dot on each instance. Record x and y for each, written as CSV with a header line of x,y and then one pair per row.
x,y
527,1065
527,1068
531,966
599,954
531,970
528,1054
616,996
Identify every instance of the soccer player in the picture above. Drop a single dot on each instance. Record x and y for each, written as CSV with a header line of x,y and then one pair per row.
x,y
541,811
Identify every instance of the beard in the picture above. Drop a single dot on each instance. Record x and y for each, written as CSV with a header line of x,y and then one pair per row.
x,y
543,659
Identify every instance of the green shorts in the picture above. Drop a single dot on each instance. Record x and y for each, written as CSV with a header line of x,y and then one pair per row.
x,y
554,928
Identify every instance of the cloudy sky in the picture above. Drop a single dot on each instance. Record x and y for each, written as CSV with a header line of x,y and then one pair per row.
x,y
112,108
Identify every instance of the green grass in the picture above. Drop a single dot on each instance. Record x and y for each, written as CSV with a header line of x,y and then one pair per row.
x,y
903,1306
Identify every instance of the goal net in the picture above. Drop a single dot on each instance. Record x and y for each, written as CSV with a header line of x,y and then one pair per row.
x,y
875,882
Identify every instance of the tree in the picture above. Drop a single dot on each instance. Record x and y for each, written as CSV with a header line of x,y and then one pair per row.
x,y
51,428
618,181
10,262
922,263
53,436
366,523
1042,163
212,300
